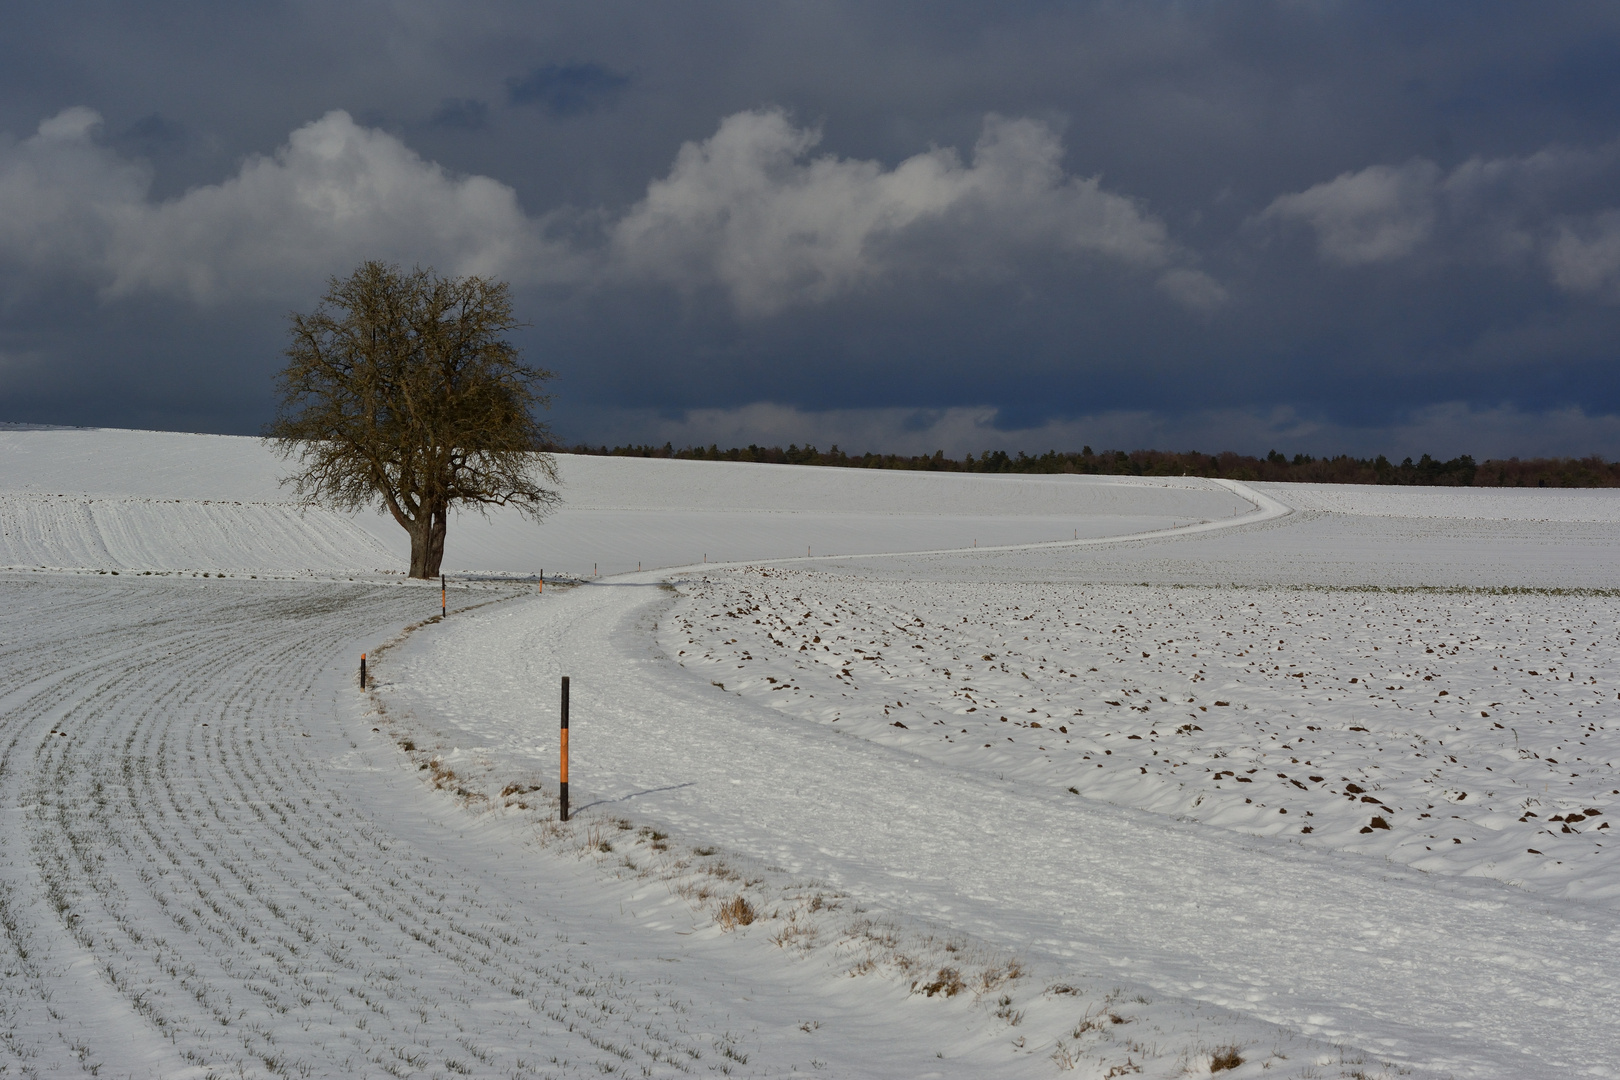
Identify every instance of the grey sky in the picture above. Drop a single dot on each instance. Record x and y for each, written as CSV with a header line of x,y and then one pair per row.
x,y
1316,226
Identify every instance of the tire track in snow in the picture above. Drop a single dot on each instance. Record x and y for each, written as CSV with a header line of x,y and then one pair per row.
x,y
189,888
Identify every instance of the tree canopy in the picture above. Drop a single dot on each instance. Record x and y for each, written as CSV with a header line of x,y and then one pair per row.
x,y
401,389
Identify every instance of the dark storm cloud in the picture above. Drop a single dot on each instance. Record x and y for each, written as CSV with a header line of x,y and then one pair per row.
x,y
567,89
464,114
151,136
1330,226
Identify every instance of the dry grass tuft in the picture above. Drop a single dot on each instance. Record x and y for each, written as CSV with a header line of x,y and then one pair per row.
x,y
1064,1058
694,892
721,870
1227,1057
1005,1010
800,935
948,983
736,912
518,789
995,975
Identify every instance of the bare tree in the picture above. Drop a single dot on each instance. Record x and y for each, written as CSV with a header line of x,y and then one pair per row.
x,y
402,389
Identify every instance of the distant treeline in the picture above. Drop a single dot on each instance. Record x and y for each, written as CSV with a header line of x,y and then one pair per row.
x,y
1301,468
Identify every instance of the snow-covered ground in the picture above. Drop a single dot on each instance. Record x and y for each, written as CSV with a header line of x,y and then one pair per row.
x,y
214,866
141,500
1325,785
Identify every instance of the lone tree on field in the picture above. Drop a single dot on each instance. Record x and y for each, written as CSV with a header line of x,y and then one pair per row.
x,y
402,388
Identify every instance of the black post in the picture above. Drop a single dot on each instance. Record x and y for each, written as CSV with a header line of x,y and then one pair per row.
x,y
563,787
441,597
362,671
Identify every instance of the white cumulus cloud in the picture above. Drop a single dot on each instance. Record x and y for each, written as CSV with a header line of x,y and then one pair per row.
x,y
1381,213
750,211
59,194
335,194
1584,255
1501,211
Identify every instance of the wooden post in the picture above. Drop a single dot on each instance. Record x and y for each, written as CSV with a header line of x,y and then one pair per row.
x,y
362,671
542,586
562,788
441,597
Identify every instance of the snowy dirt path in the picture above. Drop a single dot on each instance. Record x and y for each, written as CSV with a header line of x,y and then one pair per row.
x,y
210,866
192,887
1447,976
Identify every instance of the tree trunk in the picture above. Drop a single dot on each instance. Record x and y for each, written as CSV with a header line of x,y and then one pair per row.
x,y
427,542
436,531
421,548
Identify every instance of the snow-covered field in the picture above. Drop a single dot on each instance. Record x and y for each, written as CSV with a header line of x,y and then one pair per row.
x,y
141,500
1310,782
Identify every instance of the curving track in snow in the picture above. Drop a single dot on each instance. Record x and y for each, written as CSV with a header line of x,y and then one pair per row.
x,y
1458,977
204,871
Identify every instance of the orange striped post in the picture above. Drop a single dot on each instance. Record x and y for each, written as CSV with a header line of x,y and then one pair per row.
x,y
362,671
542,582
563,787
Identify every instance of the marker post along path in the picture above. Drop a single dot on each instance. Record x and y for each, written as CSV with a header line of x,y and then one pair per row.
x,y
442,603
562,787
